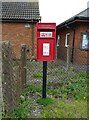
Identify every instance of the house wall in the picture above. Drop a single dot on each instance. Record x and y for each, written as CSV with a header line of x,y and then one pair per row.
x,y
18,34
79,56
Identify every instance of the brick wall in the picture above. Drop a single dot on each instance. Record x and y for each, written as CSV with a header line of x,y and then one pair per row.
x,y
18,34
79,56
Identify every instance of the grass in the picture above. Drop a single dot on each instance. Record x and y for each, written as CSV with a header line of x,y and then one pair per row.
x,y
65,109
22,111
66,98
45,102
37,75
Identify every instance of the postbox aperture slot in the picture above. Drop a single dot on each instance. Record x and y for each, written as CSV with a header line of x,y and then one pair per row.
x,y
45,30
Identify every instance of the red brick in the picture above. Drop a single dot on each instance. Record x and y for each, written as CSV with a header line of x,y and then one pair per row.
x,y
18,34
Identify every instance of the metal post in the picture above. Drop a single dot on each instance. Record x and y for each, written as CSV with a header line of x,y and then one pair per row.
x,y
44,79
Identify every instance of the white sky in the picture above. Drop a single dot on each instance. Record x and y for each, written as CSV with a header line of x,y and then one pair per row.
x,y
60,10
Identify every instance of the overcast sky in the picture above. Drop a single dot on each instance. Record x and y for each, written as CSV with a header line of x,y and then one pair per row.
x,y
58,10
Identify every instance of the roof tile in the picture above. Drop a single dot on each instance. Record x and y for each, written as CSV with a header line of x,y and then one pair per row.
x,y
20,10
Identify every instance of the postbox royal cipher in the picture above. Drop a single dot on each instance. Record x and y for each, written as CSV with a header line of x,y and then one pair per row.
x,y
46,41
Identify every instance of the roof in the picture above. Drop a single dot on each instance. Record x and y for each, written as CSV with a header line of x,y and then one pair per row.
x,y
25,11
84,15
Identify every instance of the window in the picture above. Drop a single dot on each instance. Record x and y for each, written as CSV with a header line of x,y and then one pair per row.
x,y
58,40
67,39
85,41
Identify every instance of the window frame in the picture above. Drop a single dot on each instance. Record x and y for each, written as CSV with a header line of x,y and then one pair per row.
x,y
81,45
66,40
58,40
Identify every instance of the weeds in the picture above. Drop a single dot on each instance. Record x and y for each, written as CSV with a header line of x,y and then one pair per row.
x,y
65,109
65,99
37,75
45,101
22,111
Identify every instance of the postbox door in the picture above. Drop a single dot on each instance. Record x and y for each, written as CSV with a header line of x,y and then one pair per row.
x,y
46,50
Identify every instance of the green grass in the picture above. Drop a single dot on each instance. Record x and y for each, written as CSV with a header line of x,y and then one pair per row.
x,y
37,75
45,101
65,109
67,99
30,88
22,111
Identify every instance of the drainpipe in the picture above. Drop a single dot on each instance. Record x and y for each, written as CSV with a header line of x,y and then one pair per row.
x,y
88,54
33,39
72,56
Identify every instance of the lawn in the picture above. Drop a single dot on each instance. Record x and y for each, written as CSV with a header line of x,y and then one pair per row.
x,y
66,94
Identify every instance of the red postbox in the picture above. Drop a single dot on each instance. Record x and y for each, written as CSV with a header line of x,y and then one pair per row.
x,y
46,41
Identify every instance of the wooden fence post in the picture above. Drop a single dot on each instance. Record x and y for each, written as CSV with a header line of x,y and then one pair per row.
x,y
7,73
23,64
1,94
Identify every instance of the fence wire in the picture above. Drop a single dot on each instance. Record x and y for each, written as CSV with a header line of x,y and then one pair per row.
x,y
70,64
66,72
13,83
